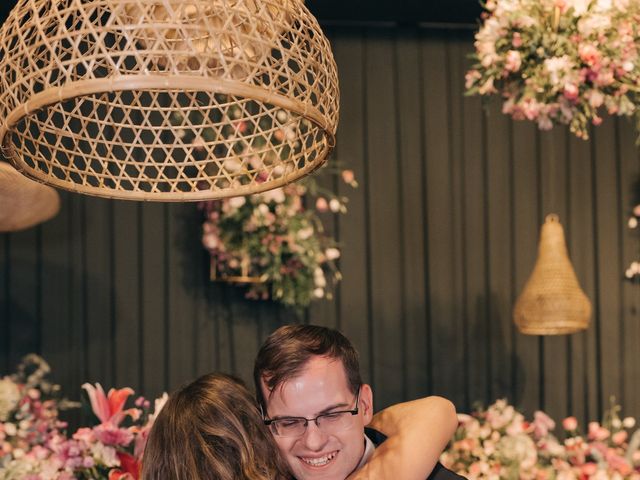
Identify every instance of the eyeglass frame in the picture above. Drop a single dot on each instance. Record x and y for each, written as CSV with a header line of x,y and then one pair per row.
x,y
269,421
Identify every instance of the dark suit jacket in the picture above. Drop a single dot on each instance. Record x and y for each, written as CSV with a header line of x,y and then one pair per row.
x,y
438,473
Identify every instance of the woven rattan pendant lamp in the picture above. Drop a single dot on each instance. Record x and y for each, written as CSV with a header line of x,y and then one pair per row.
x,y
166,100
23,202
552,302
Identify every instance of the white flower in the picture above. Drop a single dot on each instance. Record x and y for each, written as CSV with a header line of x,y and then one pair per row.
x,y
276,195
557,67
332,253
603,5
580,7
593,23
105,455
237,202
9,398
334,205
305,233
318,293
232,165
629,422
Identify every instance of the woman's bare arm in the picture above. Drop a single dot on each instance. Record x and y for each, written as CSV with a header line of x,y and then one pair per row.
x,y
418,432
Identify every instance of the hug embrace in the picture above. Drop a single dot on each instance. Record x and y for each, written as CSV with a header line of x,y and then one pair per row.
x,y
313,420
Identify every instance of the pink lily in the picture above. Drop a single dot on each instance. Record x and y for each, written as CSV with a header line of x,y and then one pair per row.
x,y
109,408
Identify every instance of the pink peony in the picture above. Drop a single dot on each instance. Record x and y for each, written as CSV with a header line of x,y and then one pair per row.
x,y
570,424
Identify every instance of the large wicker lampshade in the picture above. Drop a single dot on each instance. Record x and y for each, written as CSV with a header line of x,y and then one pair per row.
x,y
552,302
23,202
166,100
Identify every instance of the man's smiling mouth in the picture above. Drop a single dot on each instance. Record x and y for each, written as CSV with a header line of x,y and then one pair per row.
x,y
319,461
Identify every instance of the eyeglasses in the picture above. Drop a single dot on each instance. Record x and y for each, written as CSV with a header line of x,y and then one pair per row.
x,y
329,423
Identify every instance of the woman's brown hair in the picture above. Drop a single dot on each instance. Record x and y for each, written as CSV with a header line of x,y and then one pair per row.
x,y
212,429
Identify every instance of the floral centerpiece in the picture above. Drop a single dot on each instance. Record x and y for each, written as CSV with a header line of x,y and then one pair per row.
x,y
274,243
34,444
560,61
499,443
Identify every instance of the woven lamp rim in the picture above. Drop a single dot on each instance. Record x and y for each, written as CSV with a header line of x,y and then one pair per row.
x,y
164,83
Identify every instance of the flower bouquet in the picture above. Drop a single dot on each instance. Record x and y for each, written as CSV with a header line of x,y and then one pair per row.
x,y
499,443
34,444
273,243
559,61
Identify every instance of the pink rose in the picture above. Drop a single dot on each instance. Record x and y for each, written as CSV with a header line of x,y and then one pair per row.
x,y
516,41
589,54
619,437
321,204
514,61
570,424
571,91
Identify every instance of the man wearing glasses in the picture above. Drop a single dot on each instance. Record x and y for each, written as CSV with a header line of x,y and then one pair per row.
x,y
313,400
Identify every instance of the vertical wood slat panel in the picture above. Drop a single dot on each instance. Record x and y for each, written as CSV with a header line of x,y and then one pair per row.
x,y
477,326
583,387
526,233
24,292
353,312
61,296
153,298
630,193
500,251
127,294
98,284
180,328
444,313
412,215
609,261
384,210
554,200
5,299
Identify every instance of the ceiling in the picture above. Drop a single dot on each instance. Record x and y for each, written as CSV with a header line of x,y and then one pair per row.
x,y
398,11
408,12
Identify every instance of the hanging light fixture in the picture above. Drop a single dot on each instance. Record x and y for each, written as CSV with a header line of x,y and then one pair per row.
x,y
552,302
166,100
23,202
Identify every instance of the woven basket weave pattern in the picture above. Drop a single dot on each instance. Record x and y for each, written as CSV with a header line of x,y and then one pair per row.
x,y
552,301
173,100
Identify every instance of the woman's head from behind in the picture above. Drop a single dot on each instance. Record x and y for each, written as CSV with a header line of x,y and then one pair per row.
x,y
211,429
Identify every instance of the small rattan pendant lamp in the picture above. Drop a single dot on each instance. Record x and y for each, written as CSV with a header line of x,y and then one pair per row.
x,y
166,100
23,202
552,302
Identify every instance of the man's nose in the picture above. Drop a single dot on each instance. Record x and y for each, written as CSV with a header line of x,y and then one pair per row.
x,y
314,438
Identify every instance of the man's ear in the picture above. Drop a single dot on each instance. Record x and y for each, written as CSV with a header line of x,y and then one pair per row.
x,y
366,403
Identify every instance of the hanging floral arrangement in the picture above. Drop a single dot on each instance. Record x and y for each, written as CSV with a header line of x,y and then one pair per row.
x,y
559,61
274,243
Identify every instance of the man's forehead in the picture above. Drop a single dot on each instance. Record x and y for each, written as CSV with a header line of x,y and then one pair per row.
x,y
322,379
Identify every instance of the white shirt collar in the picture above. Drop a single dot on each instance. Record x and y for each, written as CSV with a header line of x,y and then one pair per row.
x,y
369,448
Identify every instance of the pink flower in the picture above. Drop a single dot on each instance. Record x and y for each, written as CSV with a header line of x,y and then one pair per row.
x,y
111,435
514,61
542,423
589,54
348,177
516,41
571,91
619,437
596,432
570,424
321,204
109,408
470,78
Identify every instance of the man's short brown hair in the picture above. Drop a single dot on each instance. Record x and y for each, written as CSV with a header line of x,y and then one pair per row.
x,y
286,352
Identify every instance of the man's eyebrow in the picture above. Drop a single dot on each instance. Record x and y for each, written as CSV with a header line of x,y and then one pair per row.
x,y
329,409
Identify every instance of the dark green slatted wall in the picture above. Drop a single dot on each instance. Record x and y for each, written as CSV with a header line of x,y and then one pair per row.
x,y
438,242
